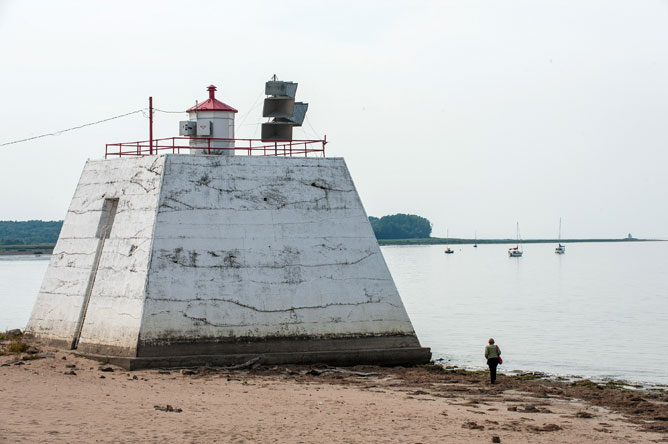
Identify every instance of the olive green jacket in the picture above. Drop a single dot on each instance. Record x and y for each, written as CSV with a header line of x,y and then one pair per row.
x,y
492,351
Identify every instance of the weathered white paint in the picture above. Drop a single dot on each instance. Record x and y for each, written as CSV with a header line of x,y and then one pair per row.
x,y
265,247
222,127
218,249
114,312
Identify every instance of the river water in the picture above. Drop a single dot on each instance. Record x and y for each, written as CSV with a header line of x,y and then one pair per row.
x,y
600,310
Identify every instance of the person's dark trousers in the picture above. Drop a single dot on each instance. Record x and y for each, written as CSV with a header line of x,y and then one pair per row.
x,y
492,362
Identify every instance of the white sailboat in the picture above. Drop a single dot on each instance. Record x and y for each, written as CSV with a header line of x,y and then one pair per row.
x,y
561,249
516,251
475,245
448,250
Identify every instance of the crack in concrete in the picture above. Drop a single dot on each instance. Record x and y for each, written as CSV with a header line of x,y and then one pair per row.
x,y
177,259
291,311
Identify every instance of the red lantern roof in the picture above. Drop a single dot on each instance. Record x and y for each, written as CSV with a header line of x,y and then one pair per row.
x,y
212,104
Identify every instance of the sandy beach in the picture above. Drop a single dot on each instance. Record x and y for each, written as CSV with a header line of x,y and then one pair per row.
x,y
62,397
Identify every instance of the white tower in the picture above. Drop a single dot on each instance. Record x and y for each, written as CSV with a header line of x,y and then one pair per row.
x,y
172,260
208,122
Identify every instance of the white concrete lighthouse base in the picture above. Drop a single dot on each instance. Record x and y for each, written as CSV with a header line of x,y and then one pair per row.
x,y
217,259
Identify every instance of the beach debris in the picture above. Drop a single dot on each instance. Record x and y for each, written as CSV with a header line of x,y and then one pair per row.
x,y
545,428
496,439
319,372
528,376
64,358
71,372
70,366
164,372
15,333
32,350
106,369
135,377
473,425
167,408
512,409
530,409
37,356
246,364
102,377
583,414
197,370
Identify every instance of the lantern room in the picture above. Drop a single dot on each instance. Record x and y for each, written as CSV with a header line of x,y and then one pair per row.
x,y
211,119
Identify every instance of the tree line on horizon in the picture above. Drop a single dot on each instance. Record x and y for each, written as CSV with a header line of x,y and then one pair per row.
x,y
401,226
29,232
396,226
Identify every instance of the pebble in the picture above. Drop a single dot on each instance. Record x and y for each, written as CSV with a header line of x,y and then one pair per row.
x,y
167,408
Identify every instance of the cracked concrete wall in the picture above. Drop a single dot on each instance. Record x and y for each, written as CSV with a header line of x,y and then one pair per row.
x,y
217,249
114,311
265,247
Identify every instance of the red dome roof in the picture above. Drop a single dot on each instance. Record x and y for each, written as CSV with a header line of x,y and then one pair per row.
x,y
212,104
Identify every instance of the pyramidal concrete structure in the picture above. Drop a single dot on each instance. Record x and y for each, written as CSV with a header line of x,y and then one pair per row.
x,y
181,260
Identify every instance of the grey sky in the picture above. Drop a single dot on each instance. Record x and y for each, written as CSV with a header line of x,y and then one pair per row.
x,y
474,114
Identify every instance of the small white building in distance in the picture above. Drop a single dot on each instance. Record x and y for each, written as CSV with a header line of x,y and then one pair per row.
x,y
171,259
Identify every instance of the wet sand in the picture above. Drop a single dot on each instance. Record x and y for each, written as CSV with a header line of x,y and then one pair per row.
x,y
66,398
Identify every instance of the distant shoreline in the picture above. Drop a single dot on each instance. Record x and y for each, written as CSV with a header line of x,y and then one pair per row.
x,y
28,250
456,241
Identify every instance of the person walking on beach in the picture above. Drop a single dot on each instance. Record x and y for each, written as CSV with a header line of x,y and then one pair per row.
x,y
493,355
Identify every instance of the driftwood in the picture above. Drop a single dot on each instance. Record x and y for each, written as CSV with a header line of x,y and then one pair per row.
x,y
246,364
318,372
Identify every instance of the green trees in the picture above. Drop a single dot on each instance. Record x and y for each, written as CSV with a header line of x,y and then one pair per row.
x,y
400,226
29,232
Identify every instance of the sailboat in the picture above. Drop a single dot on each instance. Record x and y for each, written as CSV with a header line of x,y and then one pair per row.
x,y
448,250
561,249
475,245
516,251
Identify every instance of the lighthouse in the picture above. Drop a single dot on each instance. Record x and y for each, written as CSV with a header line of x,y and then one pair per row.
x,y
210,126
170,255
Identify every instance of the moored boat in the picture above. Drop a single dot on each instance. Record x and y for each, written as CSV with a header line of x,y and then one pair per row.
x,y
561,249
516,251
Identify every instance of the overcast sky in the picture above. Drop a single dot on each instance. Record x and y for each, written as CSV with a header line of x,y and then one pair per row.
x,y
474,114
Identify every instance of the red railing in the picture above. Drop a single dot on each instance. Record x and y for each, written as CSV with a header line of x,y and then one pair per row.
x,y
249,147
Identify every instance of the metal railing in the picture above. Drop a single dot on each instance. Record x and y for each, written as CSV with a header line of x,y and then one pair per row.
x,y
249,147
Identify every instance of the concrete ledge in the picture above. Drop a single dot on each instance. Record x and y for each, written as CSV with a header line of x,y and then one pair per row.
x,y
385,357
265,345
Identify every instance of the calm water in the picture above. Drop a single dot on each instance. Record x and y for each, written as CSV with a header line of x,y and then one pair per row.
x,y
600,310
